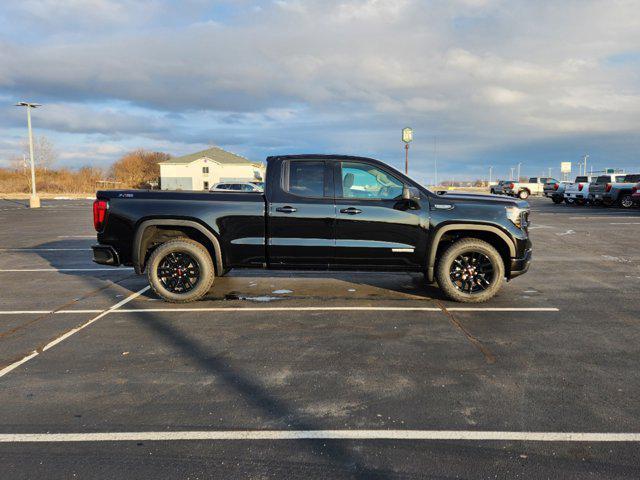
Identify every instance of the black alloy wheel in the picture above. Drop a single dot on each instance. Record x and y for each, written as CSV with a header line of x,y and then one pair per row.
x,y
472,272
178,272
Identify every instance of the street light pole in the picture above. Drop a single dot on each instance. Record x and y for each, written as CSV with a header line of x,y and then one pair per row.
x,y
518,179
407,136
34,201
490,172
585,163
406,159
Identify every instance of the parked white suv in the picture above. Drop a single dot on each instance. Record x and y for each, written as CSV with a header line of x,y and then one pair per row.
x,y
236,187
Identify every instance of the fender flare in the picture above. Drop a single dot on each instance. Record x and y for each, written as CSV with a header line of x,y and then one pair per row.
x,y
437,236
137,255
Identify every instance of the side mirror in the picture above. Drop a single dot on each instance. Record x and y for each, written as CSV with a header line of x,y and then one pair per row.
x,y
410,193
410,198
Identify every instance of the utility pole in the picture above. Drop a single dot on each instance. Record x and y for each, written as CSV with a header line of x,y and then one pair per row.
x,y
435,164
34,201
549,172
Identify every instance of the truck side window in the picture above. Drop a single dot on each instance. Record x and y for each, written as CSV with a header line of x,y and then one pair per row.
x,y
305,178
361,180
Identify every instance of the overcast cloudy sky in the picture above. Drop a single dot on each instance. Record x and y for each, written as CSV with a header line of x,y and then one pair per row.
x,y
495,82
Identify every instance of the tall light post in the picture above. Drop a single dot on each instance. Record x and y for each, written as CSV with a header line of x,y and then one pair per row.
x,y
34,201
519,164
511,174
407,136
586,156
490,174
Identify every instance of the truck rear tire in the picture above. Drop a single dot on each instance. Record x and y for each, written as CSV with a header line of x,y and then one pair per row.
x,y
557,200
180,271
470,271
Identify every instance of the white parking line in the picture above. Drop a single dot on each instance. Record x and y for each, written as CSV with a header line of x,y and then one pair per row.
x,y
110,269
44,249
331,309
461,435
61,338
601,216
36,312
625,223
286,309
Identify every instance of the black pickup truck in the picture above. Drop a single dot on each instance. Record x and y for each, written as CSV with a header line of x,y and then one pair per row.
x,y
328,212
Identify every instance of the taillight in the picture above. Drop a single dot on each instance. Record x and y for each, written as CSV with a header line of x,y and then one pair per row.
x,y
512,185
634,189
99,213
580,187
607,187
555,186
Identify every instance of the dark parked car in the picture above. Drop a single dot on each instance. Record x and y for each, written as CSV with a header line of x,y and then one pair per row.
x,y
554,190
635,194
498,188
317,212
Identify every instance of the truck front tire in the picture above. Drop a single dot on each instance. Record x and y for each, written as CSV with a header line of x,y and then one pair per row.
x,y
180,271
523,194
470,271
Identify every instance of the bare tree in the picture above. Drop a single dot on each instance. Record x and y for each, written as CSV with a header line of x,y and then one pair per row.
x,y
138,168
44,152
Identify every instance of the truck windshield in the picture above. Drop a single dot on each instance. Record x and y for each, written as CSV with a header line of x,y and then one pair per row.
x,y
581,179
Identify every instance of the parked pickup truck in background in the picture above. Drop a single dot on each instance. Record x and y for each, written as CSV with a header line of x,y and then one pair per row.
x,y
578,191
317,212
498,188
617,193
522,190
597,186
555,190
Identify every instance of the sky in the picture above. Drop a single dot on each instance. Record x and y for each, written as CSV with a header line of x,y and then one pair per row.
x,y
481,82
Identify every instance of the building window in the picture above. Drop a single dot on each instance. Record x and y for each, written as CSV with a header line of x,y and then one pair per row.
x,y
205,169
205,186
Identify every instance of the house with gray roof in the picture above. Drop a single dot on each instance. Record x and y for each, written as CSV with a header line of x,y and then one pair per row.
x,y
201,170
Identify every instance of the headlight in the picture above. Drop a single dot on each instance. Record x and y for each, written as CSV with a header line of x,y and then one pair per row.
x,y
515,215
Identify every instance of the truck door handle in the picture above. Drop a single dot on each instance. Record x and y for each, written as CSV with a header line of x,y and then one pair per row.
x,y
286,209
351,211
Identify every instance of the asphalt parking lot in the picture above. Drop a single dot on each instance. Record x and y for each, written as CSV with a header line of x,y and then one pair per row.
x,y
284,375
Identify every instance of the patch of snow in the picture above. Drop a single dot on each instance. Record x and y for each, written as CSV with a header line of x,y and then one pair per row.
x,y
282,291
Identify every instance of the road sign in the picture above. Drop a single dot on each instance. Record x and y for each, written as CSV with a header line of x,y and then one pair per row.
x,y
407,134
565,167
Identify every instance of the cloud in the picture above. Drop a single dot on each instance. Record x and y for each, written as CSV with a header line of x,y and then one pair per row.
x,y
332,74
